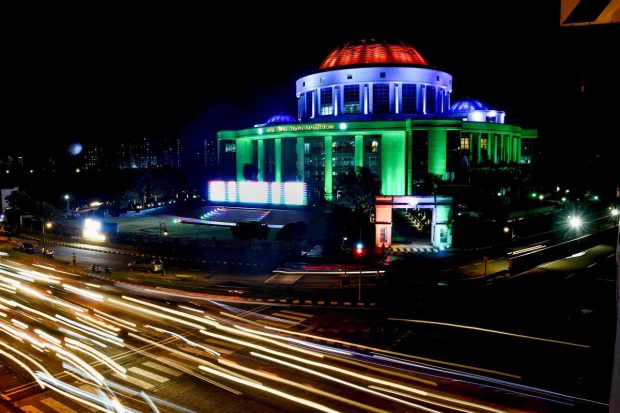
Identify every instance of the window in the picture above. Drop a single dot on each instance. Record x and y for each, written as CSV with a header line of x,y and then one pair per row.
x,y
383,235
382,75
309,96
464,143
351,99
303,84
230,147
306,148
484,144
409,98
322,79
431,100
349,77
381,98
374,146
326,102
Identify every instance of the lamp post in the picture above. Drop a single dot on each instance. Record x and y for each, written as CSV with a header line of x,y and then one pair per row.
x,y
67,199
510,230
163,230
44,225
359,250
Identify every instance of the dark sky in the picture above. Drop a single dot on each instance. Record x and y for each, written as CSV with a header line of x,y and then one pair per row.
x,y
107,74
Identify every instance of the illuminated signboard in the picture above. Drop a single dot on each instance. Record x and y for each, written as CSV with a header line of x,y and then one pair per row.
x,y
298,128
253,192
92,230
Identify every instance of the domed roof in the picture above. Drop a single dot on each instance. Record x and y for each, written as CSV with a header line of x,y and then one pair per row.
x,y
280,118
373,52
467,105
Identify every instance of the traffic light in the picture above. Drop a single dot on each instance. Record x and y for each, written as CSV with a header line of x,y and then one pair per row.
x,y
359,249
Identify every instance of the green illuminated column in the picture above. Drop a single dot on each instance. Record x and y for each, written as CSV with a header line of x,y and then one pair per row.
x,y
437,151
244,155
493,138
278,150
477,139
299,148
328,167
409,162
519,142
261,160
393,163
359,151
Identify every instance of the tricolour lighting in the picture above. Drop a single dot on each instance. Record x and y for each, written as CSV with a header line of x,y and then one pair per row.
x,y
92,230
294,193
232,191
217,191
276,193
253,192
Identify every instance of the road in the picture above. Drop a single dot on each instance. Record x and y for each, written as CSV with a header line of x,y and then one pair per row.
x,y
75,343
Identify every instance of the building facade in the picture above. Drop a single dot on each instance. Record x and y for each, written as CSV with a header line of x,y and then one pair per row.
x,y
371,104
377,105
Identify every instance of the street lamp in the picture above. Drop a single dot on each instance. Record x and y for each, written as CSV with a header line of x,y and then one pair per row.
x,y
574,222
163,230
67,199
45,225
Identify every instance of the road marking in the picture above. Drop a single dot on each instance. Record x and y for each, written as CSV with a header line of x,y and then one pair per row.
x,y
592,265
569,276
297,313
274,324
146,373
290,317
164,369
31,409
283,279
133,380
58,406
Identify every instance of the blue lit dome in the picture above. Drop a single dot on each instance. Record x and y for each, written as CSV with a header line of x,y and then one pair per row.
x,y
467,105
280,118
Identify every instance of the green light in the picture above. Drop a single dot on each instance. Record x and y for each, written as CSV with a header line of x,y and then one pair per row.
x,y
437,151
393,168
563,199
499,194
533,194
442,284
595,197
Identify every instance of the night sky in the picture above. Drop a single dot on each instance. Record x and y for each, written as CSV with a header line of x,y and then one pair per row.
x,y
93,75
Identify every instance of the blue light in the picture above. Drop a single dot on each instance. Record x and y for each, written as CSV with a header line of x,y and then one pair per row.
x,y
359,245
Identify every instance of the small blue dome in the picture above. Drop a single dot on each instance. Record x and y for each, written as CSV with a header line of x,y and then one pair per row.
x,y
280,118
467,105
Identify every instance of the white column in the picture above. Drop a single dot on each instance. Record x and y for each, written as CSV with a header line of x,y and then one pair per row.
x,y
366,100
397,98
313,105
422,104
335,102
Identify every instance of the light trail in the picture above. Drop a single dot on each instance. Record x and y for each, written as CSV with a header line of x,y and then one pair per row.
x,y
486,330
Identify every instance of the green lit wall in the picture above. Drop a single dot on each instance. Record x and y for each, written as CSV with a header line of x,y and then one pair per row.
x,y
396,143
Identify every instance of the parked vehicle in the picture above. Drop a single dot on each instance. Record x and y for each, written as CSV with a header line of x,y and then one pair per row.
x,y
24,247
148,265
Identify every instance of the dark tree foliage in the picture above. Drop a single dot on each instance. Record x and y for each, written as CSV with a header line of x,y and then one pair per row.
x,y
293,232
248,231
250,172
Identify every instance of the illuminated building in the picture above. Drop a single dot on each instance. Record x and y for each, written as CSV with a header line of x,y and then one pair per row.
x,y
377,105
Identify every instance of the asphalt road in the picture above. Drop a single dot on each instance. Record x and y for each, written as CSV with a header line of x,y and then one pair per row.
x,y
103,345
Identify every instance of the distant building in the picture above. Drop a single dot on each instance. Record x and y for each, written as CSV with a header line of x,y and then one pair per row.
x,y
148,153
210,153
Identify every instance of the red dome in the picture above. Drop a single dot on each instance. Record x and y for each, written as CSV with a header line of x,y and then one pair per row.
x,y
370,52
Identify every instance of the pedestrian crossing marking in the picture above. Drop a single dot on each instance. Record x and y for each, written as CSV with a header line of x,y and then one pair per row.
x,y
135,381
283,279
31,409
290,317
148,374
164,369
58,406
297,313
273,324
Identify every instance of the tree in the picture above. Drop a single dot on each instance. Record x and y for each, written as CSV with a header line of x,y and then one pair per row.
x,y
248,231
250,172
358,188
293,232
